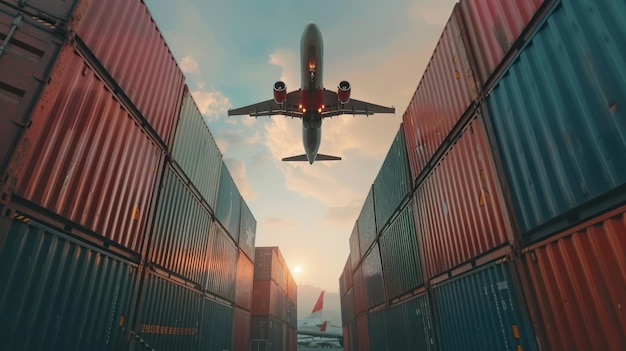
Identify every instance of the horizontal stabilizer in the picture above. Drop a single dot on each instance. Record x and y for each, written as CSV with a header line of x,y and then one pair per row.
x,y
321,157
296,158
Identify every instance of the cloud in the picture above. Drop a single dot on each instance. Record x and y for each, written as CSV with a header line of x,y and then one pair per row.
x,y
189,65
211,103
280,223
430,12
237,169
343,214
289,64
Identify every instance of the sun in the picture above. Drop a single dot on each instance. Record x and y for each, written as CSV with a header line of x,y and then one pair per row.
x,y
297,269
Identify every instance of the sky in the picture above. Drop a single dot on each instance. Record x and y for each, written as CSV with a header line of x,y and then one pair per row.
x,y
232,52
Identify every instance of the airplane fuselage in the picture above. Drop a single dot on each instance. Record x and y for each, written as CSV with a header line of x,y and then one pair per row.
x,y
311,54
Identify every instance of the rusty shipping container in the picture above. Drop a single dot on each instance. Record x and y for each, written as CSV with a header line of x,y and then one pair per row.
x,y
244,283
241,329
228,208
85,159
247,230
180,234
575,282
57,293
221,264
195,151
460,208
558,124
444,93
493,27
30,51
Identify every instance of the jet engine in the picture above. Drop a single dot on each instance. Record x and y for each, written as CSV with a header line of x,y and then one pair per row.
x,y
280,92
343,92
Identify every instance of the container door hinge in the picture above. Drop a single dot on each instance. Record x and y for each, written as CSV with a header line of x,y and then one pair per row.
x,y
17,21
22,124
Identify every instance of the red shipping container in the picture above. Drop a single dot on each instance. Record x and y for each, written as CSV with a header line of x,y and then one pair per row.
x,y
292,342
125,39
359,292
460,207
575,283
241,329
244,283
265,298
444,93
493,26
85,158
362,334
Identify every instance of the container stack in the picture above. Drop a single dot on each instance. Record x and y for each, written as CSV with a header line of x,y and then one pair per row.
x,y
516,154
120,224
274,303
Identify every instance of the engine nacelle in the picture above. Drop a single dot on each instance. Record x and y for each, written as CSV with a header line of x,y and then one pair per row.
x,y
343,92
280,92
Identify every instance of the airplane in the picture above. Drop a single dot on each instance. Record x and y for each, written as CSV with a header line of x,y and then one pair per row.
x,y
314,325
312,102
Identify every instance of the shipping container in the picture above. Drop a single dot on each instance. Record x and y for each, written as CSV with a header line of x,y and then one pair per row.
x,y
373,278
558,120
265,263
292,291
576,285
85,159
360,305
393,183
265,298
216,331
151,79
377,325
410,325
244,283
292,314
269,330
362,334
347,271
29,55
241,330
399,255
180,233
493,27
445,92
482,310
228,208
169,314
292,339
366,224
45,10
460,206
355,250
59,293
196,152
347,307
247,230
350,342
221,264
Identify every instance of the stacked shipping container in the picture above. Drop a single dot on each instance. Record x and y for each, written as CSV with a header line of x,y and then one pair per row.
x,y
506,157
117,209
274,303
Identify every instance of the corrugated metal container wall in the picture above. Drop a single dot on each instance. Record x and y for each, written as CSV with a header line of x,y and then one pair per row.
x,y
265,298
366,224
362,334
181,230
292,344
400,255
247,230
350,343
152,79
462,214
493,26
347,345
445,91
65,159
355,250
347,271
241,330
45,9
377,325
217,326
347,307
410,325
196,152
342,284
392,184
244,284
292,315
57,293
559,123
26,63
228,208
480,310
264,263
270,329
359,291
221,264
292,291
576,285
373,278
169,317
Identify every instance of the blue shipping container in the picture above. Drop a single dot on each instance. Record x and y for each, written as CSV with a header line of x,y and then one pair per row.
x,y
228,208
60,294
366,224
480,310
559,116
410,325
217,326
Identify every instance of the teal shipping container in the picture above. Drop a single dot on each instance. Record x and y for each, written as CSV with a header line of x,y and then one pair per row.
x,y
355,251
59,294
377,323
373,278
195,151
481,310
221,264
559,118
217,326
393,182
410,325
400,255
247,230
228,208
366,224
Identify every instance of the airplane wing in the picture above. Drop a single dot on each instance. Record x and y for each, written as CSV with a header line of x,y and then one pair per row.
x,y
332,107
270,108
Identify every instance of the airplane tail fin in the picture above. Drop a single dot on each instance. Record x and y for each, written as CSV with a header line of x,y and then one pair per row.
x,y
316,313
323,328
